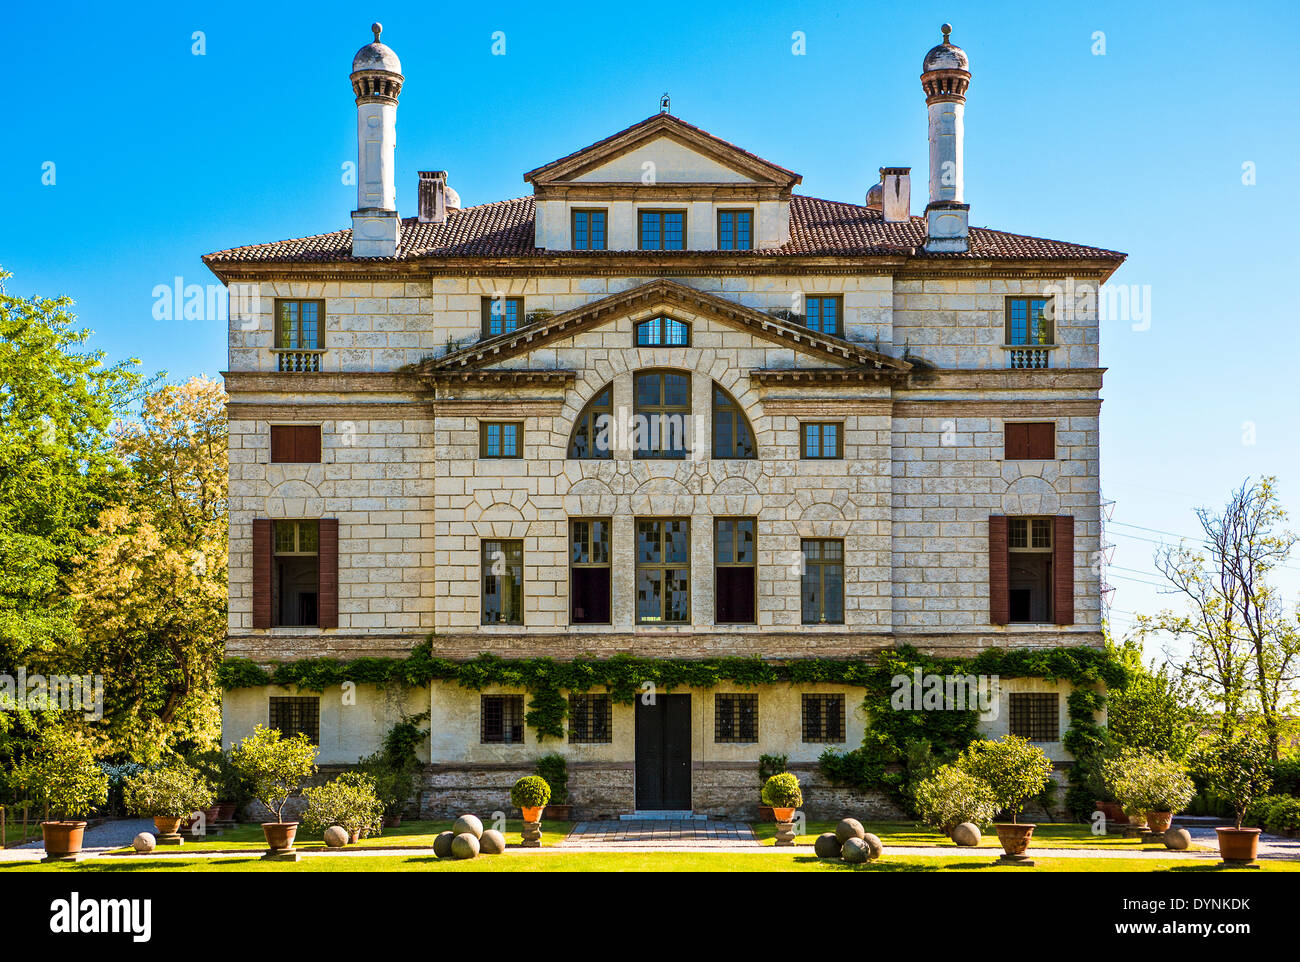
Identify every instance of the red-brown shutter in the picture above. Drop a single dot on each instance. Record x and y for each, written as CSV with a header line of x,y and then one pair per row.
x,y
327,607
283,441
999,571
1015,445
1040,442
262,549
1063,569
307,444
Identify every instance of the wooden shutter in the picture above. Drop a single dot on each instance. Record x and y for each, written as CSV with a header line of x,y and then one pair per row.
x,y
283,441
1015,443
1063,569
262,548
1040,441
327,607
999,571
307,444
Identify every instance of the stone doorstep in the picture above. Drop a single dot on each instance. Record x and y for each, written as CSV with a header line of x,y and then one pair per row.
x,y
662,816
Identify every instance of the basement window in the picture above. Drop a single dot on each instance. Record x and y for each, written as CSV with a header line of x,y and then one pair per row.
x,y
823,718
502,719
298,715
1035,716
735,719
591,719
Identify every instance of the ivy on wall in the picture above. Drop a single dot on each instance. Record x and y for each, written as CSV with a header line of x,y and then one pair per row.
x,y
623,676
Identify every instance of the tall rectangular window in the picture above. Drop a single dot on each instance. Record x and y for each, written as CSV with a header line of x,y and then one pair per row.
x,y
1029,441
1035,716
501,315
296,585
589,569
663,571
299,324
503,582
661,403
661,230
822,313
501,719
735,719
823,718
296,715
735,560
1027,321
591,719
735,230
500,439
589,230
823,581
820,441
1029,570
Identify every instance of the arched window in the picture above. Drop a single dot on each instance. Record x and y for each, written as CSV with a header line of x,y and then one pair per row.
x,y
593,432
661,427
732,435
662,332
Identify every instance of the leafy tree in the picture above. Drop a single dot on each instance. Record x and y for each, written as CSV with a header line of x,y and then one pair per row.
x,y
1236,768
1155,711
1014,770
951,796
61,775
173,790
274,766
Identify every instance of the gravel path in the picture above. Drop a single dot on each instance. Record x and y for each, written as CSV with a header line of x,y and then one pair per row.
x,y
101,838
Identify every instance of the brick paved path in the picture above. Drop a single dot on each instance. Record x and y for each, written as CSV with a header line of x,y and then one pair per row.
x,y
688,833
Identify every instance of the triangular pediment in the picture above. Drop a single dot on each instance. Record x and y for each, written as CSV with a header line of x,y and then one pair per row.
x,y
666,295
680,153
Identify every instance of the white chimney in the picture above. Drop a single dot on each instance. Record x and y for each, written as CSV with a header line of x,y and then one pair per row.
x,y
433,197
376,82
945,77
896,194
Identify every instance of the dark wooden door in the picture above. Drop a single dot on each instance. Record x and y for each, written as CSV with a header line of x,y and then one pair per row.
x,y
663,754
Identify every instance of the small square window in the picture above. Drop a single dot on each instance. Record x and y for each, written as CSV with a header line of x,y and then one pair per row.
x,y
822,313
500,439
820,441
589,230
823,718
591,719
735,230
1029,441
298,715
502,315
295,443
661,230
735,719
1035,716
502,719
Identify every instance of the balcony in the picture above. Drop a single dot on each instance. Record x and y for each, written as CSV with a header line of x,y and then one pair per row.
x,y
1029,357
297,360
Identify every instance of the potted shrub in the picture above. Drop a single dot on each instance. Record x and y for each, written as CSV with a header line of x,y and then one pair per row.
x,y
530,795
168,794
349,801
1015,771
555,771
62,777
782,792
1150,786
1237,769
273,767
950,797
769,765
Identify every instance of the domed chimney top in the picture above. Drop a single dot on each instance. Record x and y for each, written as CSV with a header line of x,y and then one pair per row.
x,y
376,71
945,71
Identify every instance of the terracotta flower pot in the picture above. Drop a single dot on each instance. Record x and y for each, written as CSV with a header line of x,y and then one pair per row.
x,y
279,835
225,811
765,813
62,838
1138,821
782,814
1159,822
166,825
392,821
1238,844
1014,836
212,814
532,814
354,837
1113,811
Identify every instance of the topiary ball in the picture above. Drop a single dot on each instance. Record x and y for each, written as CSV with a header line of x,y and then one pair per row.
x,y
492,843
442,844
144,843
849,828
464,845
854,851
1178,839
468,825
873,846
827,845
336,836
967,833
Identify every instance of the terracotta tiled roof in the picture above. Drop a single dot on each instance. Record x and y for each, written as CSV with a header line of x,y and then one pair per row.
x,y
818,228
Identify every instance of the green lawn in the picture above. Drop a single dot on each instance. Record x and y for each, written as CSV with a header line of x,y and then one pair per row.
x,y
406,835
634,862
1046,835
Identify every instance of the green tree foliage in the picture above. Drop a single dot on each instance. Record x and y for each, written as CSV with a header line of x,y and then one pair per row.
x,y
951,796
1155,712
172,790
1014,770
273,766
61,775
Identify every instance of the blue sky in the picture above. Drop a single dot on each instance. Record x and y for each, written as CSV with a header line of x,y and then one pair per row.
x,y
161,155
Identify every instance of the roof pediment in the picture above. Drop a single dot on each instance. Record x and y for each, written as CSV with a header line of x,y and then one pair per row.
x,y
663,294
680,152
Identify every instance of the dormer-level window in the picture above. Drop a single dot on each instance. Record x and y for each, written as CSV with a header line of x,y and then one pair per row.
x,y
735,230
299,325
823,314
589,230
1027,321
662,332
502,315
661,230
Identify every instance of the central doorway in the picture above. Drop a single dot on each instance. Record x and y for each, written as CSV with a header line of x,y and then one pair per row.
x,y
663,754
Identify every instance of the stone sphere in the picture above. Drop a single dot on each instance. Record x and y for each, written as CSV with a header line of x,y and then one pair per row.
x,y
967,833
336,836
464,845
849,828
442,844
854,851
492,843
144,843
468,825
827,845
873,846
1178,839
